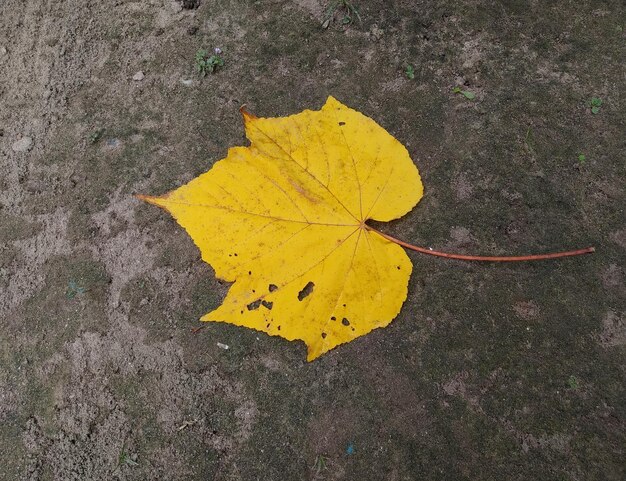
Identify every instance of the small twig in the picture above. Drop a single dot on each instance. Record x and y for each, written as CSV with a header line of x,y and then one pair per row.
x,y
195,330
535,257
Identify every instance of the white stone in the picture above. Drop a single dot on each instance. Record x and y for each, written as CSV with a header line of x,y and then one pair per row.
x,y
23,145
138,77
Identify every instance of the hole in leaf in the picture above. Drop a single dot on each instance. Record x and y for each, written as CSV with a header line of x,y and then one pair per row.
x,y
342,123
253,306
235,254
333,318
306,290
398,267
272,287
267,304
249,273
324,335
279,328
344,305
345,322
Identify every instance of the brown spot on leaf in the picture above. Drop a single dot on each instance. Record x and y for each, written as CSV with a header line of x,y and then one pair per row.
x,y
253,306
306,291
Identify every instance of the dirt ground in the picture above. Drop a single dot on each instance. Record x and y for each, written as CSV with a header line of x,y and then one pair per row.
x,y
490,372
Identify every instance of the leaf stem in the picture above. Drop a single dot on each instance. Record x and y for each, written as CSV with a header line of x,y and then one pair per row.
x,y
535,257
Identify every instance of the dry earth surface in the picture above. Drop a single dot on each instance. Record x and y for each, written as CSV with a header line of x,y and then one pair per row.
x,y
490,372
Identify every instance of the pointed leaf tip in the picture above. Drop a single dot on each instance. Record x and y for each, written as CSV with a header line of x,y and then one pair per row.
x,y
145,198
247,116
333,102
158,201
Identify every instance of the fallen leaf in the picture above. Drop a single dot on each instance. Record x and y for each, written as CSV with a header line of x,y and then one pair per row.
x,y
284,221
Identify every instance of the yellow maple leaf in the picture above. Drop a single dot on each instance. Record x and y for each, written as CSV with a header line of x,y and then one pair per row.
x,y
284,220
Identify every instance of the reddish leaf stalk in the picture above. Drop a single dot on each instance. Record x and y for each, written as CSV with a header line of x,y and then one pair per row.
x,y
447,255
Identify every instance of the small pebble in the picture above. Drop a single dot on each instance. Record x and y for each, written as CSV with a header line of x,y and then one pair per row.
x,y
3,51
187,82
138,77
223,346
23,145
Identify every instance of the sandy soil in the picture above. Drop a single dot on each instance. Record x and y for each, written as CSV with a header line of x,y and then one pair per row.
x,y
511,372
